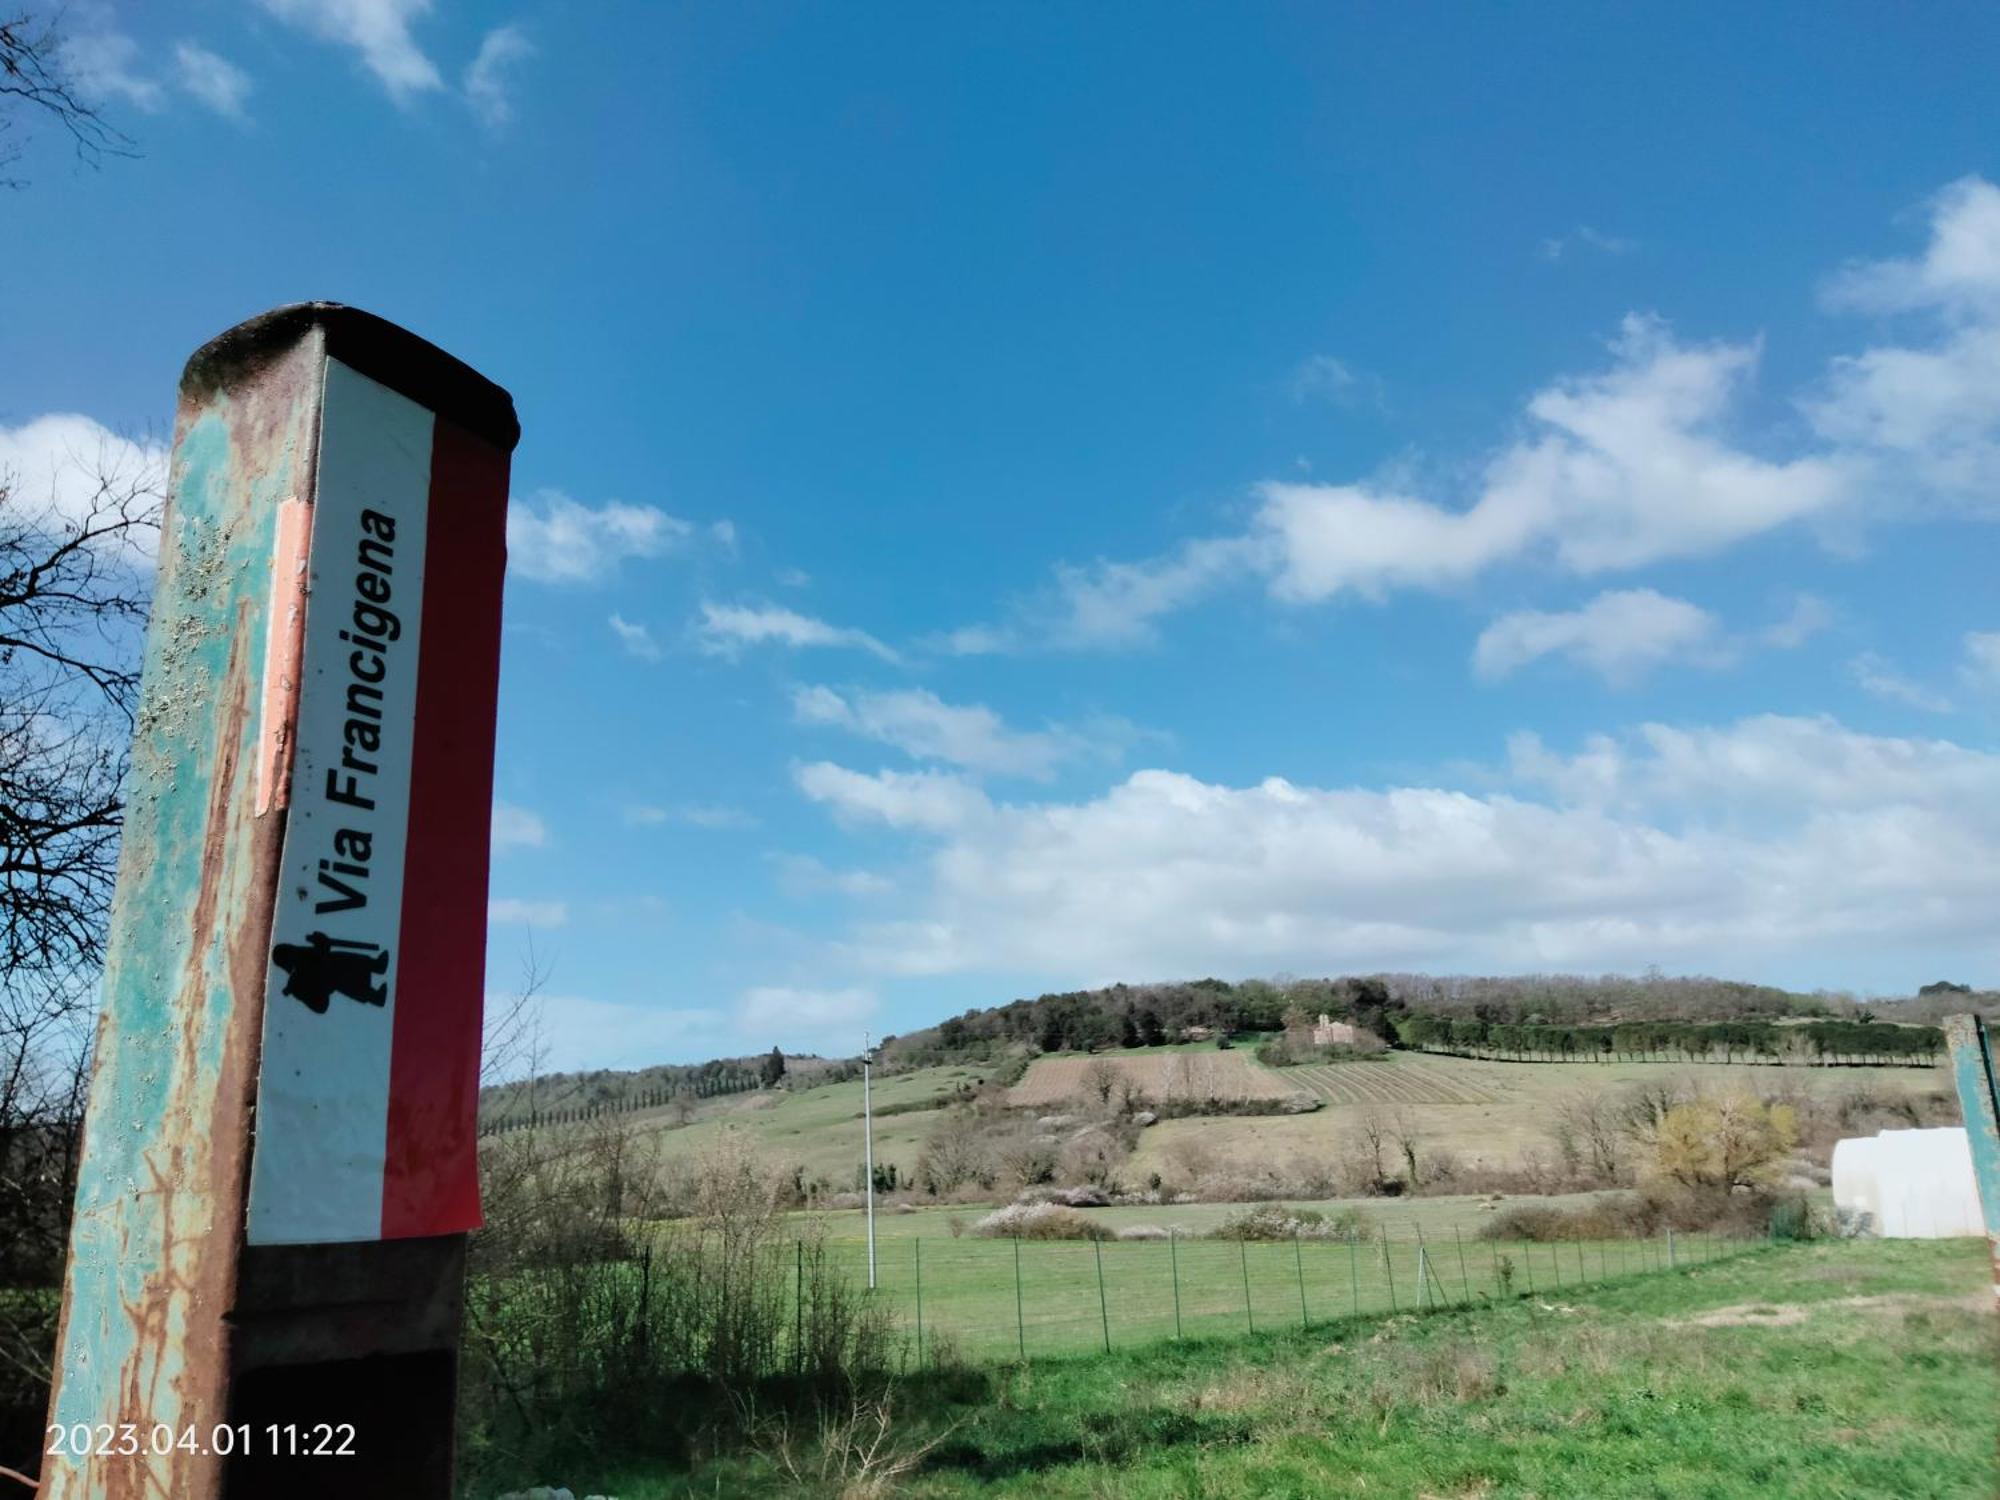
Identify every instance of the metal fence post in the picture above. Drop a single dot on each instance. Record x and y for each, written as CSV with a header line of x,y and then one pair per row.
x,y
1672,1261
1249,1317
1103,1307
918,1245
1464,1277
1556,1262
1174,1259
1423,1281
799,1307
1388,1268
1299,1256
1354,1273
1020,1318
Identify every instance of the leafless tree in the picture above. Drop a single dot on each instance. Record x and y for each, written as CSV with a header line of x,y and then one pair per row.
x,y
1408,1132
36,84
74,588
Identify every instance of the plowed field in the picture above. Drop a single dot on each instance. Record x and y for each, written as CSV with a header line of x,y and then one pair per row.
x,y
1160,1076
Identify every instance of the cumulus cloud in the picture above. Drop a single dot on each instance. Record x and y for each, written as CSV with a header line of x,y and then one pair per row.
x,y
1771,840
636,639
554,539
212,79
925,727
489,77
1620,469
725,629
66,467
1644,461
509,912
930,800
1927,414
106,65
517,828
377,30
1620,636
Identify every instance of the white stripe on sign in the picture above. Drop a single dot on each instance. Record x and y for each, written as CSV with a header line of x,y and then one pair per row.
x,y
330,997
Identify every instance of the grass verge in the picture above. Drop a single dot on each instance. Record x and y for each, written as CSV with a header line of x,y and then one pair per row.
x,y
1829,1370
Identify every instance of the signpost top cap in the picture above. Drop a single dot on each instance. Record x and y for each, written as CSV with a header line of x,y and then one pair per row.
x,y
375,347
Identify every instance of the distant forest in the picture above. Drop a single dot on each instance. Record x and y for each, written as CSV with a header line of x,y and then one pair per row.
x,y
1515,1016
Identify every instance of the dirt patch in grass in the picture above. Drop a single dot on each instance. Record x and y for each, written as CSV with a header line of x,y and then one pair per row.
x,y
1790,1314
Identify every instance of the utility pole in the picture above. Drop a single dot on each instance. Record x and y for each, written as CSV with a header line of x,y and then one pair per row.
x,y
868,1151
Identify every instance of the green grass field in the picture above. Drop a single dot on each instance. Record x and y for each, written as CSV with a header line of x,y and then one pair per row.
x,y
1833,1370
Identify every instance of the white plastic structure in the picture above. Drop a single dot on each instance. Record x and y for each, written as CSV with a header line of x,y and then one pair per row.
x,y
1908,1184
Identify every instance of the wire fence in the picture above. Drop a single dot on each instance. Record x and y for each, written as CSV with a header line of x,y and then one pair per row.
x,y
985,1299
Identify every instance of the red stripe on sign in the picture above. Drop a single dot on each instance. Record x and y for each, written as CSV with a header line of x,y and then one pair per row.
x,y
430,1180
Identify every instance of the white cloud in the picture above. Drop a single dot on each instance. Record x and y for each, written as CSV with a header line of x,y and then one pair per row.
x,y
802,1020
59,466
636,639
1928,415
487,78
929,800
517,828
695,815
577,1032
1981,668
1586,238
105,65
725,629
1620,636
1622,469
554,539
924,726
1878,675
214,80
509,912
1959,271
1322,377
1770,841
801,874
1808,617
379,30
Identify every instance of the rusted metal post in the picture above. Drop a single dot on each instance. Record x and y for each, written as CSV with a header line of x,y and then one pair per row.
x,y
279,1164
1978,1080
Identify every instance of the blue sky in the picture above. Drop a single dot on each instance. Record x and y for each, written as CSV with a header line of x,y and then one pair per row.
x,y
1019,497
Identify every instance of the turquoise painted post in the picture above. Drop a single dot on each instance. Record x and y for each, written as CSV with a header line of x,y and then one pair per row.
x,y
1020,1318
1174,1262
176,1316
1978,1080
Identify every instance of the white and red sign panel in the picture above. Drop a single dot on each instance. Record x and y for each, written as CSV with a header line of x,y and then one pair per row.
x,y
368,1093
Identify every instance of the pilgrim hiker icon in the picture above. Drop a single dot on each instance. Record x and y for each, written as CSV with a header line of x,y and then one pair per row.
x,y
322,967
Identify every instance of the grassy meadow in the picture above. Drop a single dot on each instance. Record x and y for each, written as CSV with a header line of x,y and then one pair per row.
x,y
1836,1369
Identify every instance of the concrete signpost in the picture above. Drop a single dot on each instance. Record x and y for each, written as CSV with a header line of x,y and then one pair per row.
x,y
279,1165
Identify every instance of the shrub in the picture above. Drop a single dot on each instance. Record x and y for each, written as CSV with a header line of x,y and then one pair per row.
x,y
1084,1195
1144,1232
1040,1221
1275,1221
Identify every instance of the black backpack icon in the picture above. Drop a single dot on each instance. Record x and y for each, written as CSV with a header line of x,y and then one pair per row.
x,y
322,967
